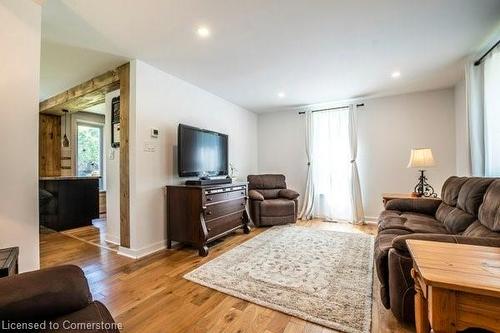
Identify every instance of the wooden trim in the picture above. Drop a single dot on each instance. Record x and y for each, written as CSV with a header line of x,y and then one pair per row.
x,y
83,95
124,74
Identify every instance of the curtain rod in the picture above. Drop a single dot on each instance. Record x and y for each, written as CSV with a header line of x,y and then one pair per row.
x,y
336,108
480,60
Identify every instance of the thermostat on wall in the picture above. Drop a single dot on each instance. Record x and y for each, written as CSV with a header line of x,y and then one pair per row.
x,y
154,132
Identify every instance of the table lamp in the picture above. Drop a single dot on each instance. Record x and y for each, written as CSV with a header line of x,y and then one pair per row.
x,y
422,158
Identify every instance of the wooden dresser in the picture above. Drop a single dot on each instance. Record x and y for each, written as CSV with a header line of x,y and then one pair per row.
x,y
197,215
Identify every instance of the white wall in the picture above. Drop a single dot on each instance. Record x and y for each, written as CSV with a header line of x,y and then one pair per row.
x,y
112,158
19,84
461,125
163,101
388,128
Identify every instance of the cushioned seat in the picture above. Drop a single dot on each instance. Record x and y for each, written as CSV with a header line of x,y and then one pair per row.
x,y
277,207
413,222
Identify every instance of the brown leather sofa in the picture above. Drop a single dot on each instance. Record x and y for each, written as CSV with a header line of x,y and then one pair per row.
x,y
271,203
469,213
57,296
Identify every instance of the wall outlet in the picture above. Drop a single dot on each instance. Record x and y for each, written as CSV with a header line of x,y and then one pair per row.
x,y
155,133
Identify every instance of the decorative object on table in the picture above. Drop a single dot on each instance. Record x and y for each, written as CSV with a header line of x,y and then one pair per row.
x,y
8,261
322,276
422,158
115,122
233,172
65,141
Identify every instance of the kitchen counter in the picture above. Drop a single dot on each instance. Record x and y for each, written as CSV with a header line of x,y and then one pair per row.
x,y
69,178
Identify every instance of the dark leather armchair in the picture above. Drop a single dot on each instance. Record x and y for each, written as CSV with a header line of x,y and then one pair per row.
x,y
58,295
271,203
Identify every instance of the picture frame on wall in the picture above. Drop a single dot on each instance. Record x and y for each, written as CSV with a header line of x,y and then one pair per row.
x,y
115,122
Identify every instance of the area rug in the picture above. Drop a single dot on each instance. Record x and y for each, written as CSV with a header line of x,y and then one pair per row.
x,y
317,275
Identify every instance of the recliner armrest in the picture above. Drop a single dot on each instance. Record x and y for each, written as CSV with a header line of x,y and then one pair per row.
x,y
255,195
423,206
47,293
288,194
399,243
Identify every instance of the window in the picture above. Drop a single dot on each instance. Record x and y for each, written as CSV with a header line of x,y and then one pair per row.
x,y
492,114
89,159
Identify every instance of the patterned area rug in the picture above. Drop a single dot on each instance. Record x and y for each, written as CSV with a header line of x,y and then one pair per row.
x,y
318,275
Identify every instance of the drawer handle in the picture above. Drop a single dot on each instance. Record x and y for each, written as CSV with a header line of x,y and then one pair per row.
x,y
209,212
209,199
242,192
243,204
209,229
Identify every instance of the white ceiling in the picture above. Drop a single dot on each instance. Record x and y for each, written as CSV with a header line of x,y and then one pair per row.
x,y
313,50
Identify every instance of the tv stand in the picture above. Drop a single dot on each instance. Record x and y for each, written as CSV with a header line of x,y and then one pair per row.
x,y
199,214
209,181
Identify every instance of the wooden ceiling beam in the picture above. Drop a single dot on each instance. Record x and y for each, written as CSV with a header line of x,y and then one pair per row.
x,y
84,95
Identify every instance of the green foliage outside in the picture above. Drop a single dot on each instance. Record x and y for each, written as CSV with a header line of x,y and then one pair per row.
x,y
89,151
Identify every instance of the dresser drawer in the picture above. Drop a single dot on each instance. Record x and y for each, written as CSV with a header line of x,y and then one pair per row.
x,y
216,197
219,209
223,224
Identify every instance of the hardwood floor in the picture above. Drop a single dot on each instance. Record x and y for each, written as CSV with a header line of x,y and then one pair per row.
x,y
94,234
150,295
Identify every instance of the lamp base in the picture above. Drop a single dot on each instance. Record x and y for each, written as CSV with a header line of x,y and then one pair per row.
x,y
423,188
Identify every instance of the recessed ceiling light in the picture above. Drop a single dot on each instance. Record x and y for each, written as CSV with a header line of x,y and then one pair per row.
x,y
203,32
395,74
281,94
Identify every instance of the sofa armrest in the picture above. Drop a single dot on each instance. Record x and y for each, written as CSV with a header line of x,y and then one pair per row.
x,y
399,243
47,293
255,195
288,194
423,206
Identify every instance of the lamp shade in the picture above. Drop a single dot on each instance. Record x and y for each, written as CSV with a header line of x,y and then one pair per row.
x,y
421,158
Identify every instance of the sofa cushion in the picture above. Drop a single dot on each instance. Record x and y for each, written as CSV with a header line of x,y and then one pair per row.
x,y
476,229
269,193
457,221
268,181
472,193
412,222
277,207
94,313
489,212
451,189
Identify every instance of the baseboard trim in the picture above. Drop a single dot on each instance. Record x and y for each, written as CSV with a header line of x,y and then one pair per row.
x,y
112,239
371,219
142,252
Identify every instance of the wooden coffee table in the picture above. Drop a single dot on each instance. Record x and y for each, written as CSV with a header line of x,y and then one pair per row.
x,y
457,286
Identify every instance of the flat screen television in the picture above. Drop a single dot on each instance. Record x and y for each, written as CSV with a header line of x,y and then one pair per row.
x,y
201,152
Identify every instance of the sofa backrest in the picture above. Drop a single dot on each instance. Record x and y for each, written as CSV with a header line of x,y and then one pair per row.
x,y
462,197
489,212
268,185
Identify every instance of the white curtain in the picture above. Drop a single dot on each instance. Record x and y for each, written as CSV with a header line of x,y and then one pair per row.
x,y
306,212
334,142
492,114
483,110
358,214
475,114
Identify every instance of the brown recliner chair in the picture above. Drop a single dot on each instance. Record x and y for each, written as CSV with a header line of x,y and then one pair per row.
x,y
271,203
468,214
57,297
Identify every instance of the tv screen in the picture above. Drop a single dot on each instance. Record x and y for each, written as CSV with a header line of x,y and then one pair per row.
x,y
201,152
